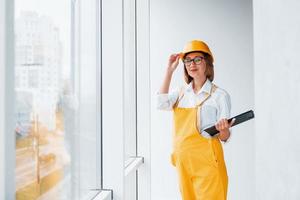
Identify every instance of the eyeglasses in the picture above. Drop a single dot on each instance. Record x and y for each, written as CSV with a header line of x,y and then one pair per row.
x,y
197,60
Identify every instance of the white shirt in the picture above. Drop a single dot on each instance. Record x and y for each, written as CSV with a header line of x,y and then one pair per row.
x,y
216,107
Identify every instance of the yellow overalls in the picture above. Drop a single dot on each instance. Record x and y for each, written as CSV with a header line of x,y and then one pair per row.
x,y
199,161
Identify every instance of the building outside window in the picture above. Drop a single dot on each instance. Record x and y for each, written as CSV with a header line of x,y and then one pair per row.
x,y
57,136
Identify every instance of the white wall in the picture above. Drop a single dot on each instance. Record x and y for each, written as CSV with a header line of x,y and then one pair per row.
x,y
227,28
277,77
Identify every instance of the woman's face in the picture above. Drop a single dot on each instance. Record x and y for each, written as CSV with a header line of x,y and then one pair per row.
x,y
195,64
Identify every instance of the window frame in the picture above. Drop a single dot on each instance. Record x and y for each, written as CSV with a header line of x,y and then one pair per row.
x,y
77,38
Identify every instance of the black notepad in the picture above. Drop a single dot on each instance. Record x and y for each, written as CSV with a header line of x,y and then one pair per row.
x,y
238,119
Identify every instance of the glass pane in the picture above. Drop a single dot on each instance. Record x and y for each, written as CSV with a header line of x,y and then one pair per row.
x,y
56,128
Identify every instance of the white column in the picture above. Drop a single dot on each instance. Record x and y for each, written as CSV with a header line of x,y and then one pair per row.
x,y
7,151
277,97
2,97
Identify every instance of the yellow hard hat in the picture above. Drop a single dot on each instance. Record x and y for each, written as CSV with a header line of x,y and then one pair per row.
x,y
196,45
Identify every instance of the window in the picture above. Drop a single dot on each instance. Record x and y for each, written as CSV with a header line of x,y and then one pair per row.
x,y
58,124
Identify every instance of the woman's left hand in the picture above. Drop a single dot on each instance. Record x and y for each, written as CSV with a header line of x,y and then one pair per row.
x,y
223,127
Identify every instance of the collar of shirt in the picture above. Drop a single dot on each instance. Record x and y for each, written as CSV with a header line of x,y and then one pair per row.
x,y
205,88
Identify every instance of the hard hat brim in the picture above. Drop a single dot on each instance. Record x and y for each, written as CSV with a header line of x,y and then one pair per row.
x,y
196,46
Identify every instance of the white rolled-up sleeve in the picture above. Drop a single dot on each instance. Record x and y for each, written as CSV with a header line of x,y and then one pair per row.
x,y
224,111
166,101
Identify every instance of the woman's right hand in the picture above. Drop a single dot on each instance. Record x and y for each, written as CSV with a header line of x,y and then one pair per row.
x,y
172,65
173,62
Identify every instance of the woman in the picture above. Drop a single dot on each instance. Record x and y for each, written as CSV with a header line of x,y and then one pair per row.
x,y
197,157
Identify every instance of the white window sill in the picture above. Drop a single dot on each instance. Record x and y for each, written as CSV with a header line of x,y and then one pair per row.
x,y
133,164
104,195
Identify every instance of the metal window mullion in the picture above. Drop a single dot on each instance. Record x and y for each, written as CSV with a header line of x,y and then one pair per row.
x,y
99,152
136,94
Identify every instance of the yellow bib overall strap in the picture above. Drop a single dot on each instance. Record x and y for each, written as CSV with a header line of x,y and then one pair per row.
x,y
199,161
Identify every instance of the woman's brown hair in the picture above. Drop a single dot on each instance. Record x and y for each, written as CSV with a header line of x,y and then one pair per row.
x,y
209,72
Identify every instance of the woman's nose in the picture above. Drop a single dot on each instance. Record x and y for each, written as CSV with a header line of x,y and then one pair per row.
x,y
193,63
